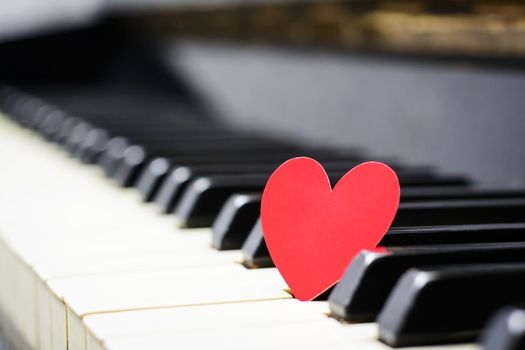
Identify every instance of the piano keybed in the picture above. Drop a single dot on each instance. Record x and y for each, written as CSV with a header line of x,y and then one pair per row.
x,y
89,261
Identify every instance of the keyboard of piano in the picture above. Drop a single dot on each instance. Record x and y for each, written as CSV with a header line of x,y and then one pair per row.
x,y
86,264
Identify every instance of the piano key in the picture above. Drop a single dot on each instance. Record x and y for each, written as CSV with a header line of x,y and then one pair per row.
x,y
178,178
505,330
229,151
93,146
448,304
150,178
235,220
6,92
162,288
415,194
77,136
14,106
460,212
110,158
65,129
310,335
25,109
256,254
186,135
204,197
254,250
242,233
370,277
170,189
128,168
494,233
240,316
50,126
454,234
41,111
155,176
295,320
135,158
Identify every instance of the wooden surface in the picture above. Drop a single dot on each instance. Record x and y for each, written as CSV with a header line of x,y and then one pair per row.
x,y
465,27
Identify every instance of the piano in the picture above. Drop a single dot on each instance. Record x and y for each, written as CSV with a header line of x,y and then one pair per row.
x,y
136,139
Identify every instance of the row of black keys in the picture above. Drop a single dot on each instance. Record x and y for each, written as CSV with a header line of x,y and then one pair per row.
x,y
449,240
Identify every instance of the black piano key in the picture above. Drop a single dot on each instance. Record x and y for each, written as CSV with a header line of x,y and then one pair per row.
x,y
370,277
92,147
175,182
235,220
151,178
445,181
6,92
152,182
422,236
512,209
135,158
128,168
192,147
110,158
193,136
171,187
77,136
448,304
66,128
417,194
39,115
454,234
490,232
26,109
254,250
460,212
214,156
50,126
505,330
204,197
10,103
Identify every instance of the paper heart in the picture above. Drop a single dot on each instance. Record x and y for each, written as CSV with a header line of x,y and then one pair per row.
x,y
313,232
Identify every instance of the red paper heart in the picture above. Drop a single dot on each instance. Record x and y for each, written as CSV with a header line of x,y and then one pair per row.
x,y
313,232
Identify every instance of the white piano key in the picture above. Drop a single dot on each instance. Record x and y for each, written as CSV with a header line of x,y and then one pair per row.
x,y
315,334
154,289
205,317
18,301
158,288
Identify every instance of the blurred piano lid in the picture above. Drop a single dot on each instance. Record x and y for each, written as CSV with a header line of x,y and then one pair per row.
x,y
23,18
26,18
152,5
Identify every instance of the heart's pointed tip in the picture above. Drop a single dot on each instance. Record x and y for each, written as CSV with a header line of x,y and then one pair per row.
x,y
304,297
310,295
